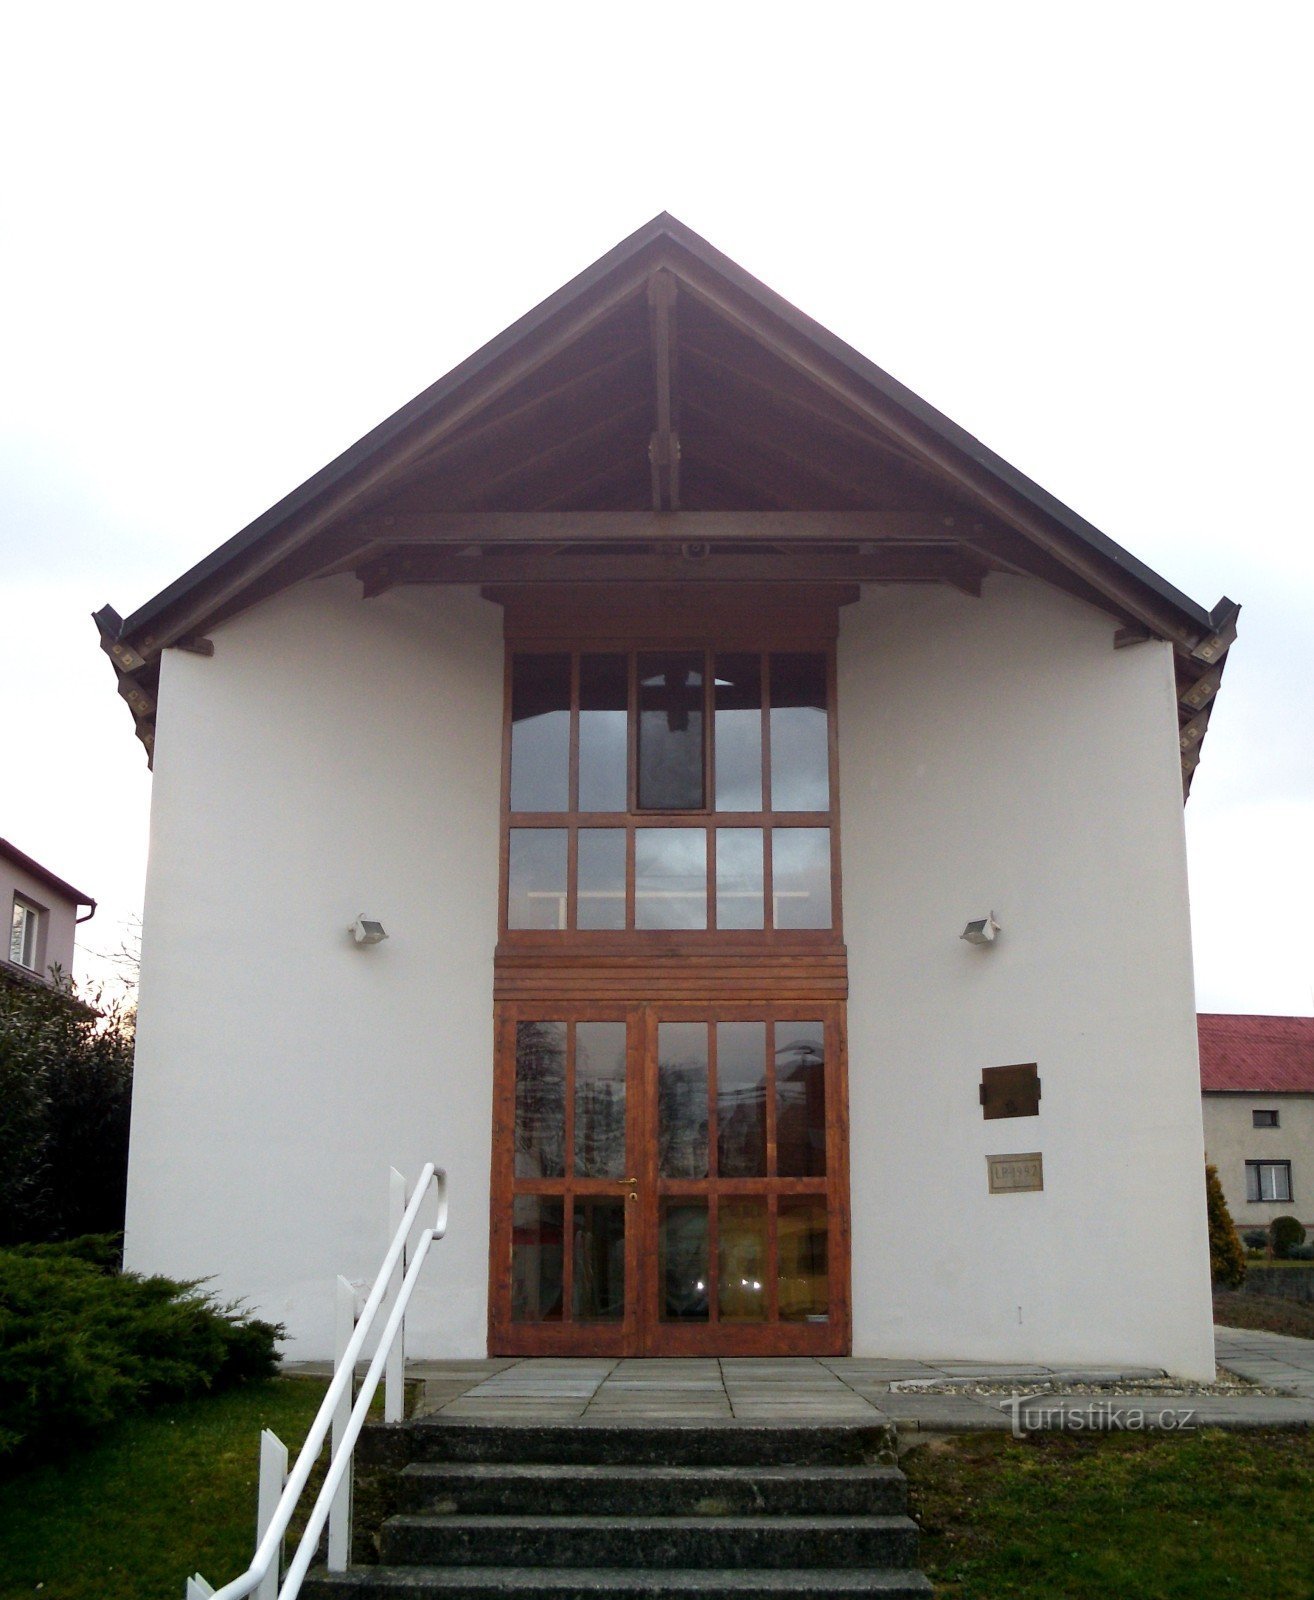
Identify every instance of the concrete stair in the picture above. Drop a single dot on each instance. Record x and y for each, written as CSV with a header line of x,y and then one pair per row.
x,y
601,1511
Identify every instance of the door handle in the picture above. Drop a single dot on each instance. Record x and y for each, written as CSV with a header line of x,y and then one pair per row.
x,y
629,1180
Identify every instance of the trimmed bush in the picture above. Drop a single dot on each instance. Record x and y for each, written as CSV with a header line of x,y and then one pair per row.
x,y
1227,1263
1255,1238
1285,1233
80,1346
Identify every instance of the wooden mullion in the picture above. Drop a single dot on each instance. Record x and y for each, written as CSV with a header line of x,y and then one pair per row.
x,y
773,1259
713,1257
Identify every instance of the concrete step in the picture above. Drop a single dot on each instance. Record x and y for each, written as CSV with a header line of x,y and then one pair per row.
x,y
508,1488
570,1583
647,1444
655,1543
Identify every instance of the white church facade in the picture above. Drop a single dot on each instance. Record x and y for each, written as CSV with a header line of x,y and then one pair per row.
x,y
675,688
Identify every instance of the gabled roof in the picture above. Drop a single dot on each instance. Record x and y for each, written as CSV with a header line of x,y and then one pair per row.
x,y
34,869
1256,1054
663,401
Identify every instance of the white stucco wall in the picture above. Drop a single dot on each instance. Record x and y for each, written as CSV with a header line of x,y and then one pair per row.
x,y
999,754
1231,1139
333,757
338,756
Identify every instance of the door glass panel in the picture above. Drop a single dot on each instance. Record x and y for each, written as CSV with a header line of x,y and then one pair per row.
x,y
800,877
601,878
682,1261
600,1099
800,1100
739,882
536,1259
742,1260
682,1099
670,878
540,1100
801,1244
604,700
741,1099
738,733
800,743
540,733
671,730
598,1259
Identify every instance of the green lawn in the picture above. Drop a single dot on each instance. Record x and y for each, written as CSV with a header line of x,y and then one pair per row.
x,y
1183,1518
158,1497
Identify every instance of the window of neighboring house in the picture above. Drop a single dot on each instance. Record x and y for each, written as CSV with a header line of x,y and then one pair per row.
x,y
24,934
1268,1180
1264,1119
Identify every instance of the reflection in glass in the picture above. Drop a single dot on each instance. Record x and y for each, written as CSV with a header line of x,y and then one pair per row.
x,y
600,1099
738,733
742,1260
536,878
671,730
800,1100
800,745
603,733
741,1100
682,1261
803,1284
601,878
739,882
670,878
540,733
800,877
598,1258
540,1135
536,1259
682,1099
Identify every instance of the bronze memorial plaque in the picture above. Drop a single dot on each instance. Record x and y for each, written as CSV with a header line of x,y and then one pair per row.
x,y
1010,1091
1015,1174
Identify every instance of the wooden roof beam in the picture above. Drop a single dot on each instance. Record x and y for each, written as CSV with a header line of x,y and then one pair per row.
x,y
664,445
682,527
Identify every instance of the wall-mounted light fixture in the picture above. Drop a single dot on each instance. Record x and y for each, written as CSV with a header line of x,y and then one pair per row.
x,y
986,931
363,931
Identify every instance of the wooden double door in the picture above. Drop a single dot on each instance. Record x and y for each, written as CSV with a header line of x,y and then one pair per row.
x,y
670,1180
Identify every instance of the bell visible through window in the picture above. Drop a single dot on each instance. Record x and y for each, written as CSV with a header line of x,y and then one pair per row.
x,y
671,731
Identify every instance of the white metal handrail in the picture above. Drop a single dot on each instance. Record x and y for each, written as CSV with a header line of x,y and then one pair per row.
x,y
263,1563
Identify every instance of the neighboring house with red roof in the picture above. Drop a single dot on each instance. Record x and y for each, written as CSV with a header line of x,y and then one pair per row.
x,y
43,914
1257,1083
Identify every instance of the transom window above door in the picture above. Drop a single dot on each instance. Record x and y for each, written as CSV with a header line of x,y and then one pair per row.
x,y
655,790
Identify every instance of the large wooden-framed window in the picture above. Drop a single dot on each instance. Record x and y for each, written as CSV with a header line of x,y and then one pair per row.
x,y
687,790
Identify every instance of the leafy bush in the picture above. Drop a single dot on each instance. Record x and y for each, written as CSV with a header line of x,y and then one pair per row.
x,y
1255,1238
1301,1252
80,1345
1227,1264
65,1101
1285,1233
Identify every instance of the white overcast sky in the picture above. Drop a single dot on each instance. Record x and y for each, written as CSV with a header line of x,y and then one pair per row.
x,y
233,238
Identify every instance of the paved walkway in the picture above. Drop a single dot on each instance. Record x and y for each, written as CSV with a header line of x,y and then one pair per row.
x,y
855,1389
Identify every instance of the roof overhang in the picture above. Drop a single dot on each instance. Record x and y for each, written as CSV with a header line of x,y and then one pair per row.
x,y
665,415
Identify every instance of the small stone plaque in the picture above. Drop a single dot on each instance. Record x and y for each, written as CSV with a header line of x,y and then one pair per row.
x,y
1015,1174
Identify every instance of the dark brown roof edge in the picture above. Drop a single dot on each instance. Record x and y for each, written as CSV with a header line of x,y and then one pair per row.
x,y
20,859
666,226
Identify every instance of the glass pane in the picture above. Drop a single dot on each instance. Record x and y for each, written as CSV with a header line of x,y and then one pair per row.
x,y
600,1099
801,1238
670,878
682,1260
738,733
800,877
601,878
671,730
540,1137
604,702
742,1261
536,878
800,745
741,1099
739,881
682,1099
1252,1181
800,1100
536,1259
540,733
598,1292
